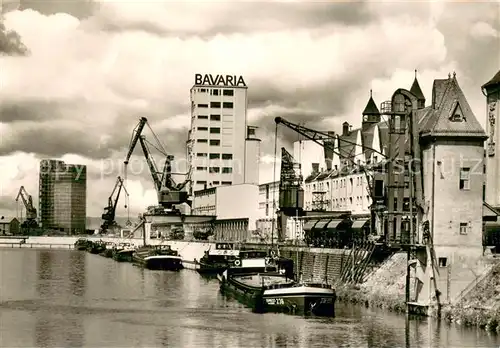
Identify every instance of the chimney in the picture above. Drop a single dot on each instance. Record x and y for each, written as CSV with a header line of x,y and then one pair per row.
x,y
345,128
315,167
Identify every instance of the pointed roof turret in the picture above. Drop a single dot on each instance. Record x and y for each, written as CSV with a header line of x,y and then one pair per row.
x,y
371,108
416,90
494,82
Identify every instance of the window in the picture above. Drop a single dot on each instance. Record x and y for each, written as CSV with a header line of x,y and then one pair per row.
x,y
228,92
214,130
201,154
201,168
201,140
214,156
267,209
215,183
227,183
214,170
464,183
202,128
227,156
203,105
201,182
227,105
215,104
443,261
215,117
227,170
215,92
215,142
464,228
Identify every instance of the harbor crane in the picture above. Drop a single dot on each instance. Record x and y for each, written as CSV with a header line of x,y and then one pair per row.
x,y
325,139
170,194
31,212
110,211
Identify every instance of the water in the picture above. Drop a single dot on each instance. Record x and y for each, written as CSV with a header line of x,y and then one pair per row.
x,y
67,298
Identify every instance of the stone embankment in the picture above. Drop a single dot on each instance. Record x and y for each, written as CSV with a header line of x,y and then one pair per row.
x,y
481,306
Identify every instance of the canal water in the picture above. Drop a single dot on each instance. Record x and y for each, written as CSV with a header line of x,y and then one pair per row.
x,y
67,298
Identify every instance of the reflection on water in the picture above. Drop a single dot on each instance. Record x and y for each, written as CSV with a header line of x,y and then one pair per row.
x,y
74,299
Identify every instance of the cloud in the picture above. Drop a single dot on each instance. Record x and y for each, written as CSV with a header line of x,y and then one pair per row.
x,y
95,68
484,30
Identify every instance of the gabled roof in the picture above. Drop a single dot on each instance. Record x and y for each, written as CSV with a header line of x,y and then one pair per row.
x,y
416,90
494,81
347,144
449,101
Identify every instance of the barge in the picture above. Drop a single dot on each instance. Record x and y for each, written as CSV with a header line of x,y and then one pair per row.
x,y
159,257
276,292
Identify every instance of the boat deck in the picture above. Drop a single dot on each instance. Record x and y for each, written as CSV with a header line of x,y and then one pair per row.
x,y
258,280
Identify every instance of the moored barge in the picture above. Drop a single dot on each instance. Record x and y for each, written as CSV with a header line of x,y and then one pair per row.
x,y
275,292
159,257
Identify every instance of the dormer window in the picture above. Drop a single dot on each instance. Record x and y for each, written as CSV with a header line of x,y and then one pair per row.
x,y
457,115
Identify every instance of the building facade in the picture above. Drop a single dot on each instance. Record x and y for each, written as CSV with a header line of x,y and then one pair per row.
x,y
222,149
491,89
63,196
236,209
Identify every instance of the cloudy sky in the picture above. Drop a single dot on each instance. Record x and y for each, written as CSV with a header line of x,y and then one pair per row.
x,y
92,69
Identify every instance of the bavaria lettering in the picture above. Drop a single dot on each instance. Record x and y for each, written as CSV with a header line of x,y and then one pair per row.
x,y
219,80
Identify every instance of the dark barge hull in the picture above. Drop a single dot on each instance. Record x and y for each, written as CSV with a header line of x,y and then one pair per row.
x,y
123,256
296,303
163,263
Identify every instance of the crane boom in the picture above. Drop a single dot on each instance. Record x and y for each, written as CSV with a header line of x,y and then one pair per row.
x,y
31,212
110,211
136,134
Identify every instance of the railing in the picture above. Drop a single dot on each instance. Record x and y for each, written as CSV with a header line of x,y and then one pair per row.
x,y
37,245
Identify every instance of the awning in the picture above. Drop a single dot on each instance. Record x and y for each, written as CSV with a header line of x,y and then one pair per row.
x,y
309,225
332,225
321,225
491,226
359,224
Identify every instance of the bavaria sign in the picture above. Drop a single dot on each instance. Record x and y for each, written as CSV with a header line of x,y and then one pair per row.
x,y
219,80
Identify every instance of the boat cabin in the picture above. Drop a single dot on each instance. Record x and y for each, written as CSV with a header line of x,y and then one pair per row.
x,y
224,249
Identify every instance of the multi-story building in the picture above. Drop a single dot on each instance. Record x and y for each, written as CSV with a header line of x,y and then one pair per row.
x,y
63,196
222,148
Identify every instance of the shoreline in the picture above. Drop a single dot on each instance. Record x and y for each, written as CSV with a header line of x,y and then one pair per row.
x,y
487,319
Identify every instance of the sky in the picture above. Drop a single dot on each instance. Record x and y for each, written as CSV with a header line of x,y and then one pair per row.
x,y
76,76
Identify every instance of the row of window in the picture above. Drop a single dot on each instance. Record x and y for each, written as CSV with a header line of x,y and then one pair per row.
x,y
225,170
213,142
226,92
214,183
463,184
213,117
213,130
225,156
216,105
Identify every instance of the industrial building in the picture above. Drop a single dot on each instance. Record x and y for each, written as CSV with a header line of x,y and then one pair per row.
x,y
222,148
63,196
